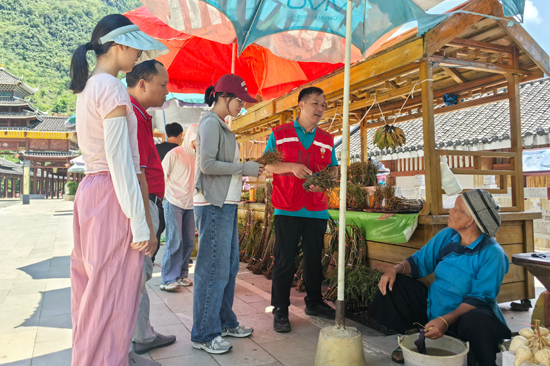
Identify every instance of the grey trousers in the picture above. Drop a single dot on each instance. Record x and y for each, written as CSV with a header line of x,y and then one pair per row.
x,y
144,332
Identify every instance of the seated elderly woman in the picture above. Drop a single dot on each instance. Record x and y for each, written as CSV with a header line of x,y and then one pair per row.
x,y
468,265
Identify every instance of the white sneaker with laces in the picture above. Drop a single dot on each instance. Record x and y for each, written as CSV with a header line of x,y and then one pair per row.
x,y
185,282
239,332
171,287
217,345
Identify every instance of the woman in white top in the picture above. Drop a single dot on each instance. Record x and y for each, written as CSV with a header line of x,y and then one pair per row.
x,y
110,228
218,174
179,176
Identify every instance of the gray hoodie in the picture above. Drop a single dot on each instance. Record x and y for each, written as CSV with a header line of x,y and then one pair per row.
x,y
215,154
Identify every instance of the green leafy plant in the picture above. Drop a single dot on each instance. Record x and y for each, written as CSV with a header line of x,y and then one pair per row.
x,y
71,188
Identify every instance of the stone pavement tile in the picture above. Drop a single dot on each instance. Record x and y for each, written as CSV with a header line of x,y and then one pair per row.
x,y
3,295
273,364
292,351
263,329
305,328
186,318
16,346
57,283
260,282
161,315
153,297
52,353
195,358
6,283
245,352
61,261
57,327
31,275
263,307
246,295
180,302
41,252
28,287
181,347
242,308
60,272
56,302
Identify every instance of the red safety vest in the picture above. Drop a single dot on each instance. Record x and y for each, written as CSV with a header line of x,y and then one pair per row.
x,y
288,191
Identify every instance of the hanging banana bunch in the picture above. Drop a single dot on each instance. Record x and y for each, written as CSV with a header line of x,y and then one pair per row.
x,y
389,136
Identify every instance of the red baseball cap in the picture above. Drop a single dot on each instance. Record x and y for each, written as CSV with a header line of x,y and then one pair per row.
x,y
234,84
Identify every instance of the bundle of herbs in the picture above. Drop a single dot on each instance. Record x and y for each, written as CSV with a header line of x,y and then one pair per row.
x,y
323,179
361,284
260,194
264,236
400,204
356,198
270,157
363,174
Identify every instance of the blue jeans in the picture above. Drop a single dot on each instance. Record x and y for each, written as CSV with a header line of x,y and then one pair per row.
x,y
215,271
180,242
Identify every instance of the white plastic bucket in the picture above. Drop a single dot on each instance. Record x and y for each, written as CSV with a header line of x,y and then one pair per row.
x,y
413,358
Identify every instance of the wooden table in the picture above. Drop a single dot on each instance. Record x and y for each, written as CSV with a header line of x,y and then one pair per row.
x,y
536,263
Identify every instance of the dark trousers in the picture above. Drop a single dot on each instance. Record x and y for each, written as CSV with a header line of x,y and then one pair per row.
x,y
408,302
162,222
288,232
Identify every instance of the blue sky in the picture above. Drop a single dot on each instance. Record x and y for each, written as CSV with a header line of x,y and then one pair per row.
x,y
537,15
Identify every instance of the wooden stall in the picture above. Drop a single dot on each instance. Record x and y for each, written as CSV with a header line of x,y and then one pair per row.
x,y
480,59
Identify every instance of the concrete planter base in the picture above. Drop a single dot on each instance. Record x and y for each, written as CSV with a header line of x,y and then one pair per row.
x,y
69,197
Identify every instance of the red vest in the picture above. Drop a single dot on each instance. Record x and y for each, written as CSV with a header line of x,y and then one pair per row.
x,y
288,191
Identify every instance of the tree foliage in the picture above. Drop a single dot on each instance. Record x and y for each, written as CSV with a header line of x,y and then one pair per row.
x,y
38,37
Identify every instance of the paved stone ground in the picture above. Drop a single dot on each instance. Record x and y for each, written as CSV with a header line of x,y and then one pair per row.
x,y
35,322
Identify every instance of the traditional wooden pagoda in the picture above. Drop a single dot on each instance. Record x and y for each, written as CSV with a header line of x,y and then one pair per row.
x,y
34,136
468,55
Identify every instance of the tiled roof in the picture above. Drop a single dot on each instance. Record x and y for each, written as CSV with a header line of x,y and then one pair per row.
x,y
14,115
484,127
13,102
8,167
54,154
53,124
8,78
42,123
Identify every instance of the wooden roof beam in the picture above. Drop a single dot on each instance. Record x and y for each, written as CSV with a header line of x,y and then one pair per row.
x,y
455,75
476,65
482,46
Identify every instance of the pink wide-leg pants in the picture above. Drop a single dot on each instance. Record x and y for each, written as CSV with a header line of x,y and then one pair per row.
x,y
105,276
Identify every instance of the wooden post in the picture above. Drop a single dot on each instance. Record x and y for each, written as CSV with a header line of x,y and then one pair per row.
x,y
516,140
58,185
432,172
34,179
364,142
12,187
6,187
43,182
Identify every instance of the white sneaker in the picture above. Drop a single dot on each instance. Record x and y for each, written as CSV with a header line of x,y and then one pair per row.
x,y
185,282
217,345
239,332
171,287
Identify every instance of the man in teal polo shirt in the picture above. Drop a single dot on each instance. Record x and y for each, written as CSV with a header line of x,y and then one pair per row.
x,y
300,214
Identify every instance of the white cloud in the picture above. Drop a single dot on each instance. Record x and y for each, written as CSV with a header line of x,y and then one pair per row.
x,y
531,14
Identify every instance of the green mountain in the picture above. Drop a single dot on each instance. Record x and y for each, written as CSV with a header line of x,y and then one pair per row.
x,y
38,37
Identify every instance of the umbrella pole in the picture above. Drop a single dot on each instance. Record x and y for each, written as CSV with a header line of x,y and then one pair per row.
x,y
233,61
344,160
337,344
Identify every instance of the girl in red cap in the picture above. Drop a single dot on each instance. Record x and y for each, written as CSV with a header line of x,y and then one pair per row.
x,y
218,192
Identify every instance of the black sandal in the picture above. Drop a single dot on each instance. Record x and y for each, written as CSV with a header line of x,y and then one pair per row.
x,y
394,356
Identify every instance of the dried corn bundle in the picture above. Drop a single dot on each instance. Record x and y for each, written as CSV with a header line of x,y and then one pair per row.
x,y
259,252
260,194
